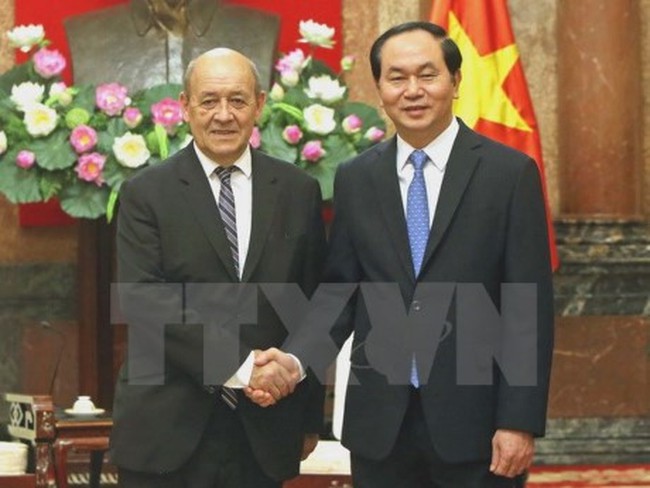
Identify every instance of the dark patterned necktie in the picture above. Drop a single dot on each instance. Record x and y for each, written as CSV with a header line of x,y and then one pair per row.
x,y
227,210
226,206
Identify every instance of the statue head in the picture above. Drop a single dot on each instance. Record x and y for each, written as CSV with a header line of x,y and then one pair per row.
x,y
173,16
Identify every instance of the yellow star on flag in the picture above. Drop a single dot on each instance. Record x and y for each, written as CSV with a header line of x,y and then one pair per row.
x,y
481,94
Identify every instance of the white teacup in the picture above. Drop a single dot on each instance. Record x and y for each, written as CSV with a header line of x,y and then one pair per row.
x,y
83,404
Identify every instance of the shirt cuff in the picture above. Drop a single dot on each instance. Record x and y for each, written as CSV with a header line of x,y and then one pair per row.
x,y
303,375
243,375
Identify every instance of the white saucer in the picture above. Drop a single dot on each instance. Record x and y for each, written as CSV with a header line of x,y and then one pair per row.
x,y
89,414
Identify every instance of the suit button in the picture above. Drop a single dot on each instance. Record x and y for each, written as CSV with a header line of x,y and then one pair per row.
x,y
416,306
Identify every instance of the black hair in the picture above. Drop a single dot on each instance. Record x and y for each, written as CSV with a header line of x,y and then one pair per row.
x,y
450,50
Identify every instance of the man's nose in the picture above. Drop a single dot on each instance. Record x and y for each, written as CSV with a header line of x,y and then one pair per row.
x,y
413,87
222,111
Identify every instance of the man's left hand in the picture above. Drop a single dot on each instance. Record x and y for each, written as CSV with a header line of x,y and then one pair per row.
x,y
512,452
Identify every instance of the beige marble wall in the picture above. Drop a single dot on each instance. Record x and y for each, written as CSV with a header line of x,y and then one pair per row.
x,y
6,21
645,86
534,25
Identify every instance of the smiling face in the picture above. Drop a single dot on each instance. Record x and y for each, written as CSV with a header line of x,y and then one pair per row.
x,y
221,104
415,86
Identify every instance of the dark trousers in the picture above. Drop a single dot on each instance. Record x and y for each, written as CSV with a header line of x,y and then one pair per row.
x,y
414,463
223,459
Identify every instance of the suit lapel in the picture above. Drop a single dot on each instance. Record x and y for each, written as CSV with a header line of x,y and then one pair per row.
x,y
197,192
265,195
462,163
390,202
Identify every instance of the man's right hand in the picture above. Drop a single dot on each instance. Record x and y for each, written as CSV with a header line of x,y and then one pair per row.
x,y
275,375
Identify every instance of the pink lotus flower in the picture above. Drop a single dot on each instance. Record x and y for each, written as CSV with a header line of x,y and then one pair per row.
x,y
168,113
352,124
132,117
83,138
294,61
25,159
313,151
292,134
90,166
49,62
375,134
256,138
111,98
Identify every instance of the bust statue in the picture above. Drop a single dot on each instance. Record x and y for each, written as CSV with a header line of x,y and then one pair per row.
x,y
148,42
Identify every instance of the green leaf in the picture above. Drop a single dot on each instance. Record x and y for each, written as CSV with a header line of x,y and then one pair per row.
x,y
51,183
16,75
145,99
115,174
337,150
317,68
84,200
85,98
297,97
294,112
110,206
163,141
54,151
273,144
17,184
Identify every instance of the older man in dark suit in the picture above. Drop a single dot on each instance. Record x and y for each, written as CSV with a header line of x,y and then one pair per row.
x,y
438,205
192,231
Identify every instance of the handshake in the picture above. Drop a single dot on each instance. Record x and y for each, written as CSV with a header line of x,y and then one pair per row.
x,y
275,375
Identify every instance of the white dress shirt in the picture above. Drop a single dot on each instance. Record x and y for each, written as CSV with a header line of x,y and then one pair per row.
x,y
438,151
241,182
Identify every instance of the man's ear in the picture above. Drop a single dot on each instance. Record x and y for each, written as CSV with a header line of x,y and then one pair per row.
x,y
455,80
185,103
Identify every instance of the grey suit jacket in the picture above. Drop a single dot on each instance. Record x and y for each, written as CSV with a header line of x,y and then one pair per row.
x,y
170,235
489,228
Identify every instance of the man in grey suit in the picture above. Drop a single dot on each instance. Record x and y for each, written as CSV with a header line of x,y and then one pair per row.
x,y
193,233
438,209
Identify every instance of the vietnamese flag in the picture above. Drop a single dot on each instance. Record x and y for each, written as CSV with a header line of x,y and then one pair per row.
x,y
493,98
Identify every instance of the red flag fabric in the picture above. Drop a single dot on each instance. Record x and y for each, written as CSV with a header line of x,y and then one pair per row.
x,y
494,97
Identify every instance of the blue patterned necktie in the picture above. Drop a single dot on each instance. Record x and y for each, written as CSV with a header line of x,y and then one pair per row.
x,y
417,222
226,206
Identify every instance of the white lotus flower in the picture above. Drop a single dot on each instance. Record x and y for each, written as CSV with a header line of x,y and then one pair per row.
x,y
3,142
24,37
40,120
131,150
26,94
316,34
277,92
290,78
327,89
319,119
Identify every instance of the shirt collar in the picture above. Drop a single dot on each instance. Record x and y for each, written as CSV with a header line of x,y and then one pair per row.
x,y
244,163
438,150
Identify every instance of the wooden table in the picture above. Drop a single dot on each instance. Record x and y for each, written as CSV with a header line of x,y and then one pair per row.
x,y
53,435
18,481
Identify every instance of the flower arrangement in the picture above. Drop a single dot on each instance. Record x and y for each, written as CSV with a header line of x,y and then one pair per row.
x,y
80,143
308,119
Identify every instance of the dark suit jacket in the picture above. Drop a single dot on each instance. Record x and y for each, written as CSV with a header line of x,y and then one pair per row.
x,y
170,234
489,228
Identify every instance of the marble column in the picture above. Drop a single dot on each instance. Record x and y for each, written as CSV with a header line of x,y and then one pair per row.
x,y
599,108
